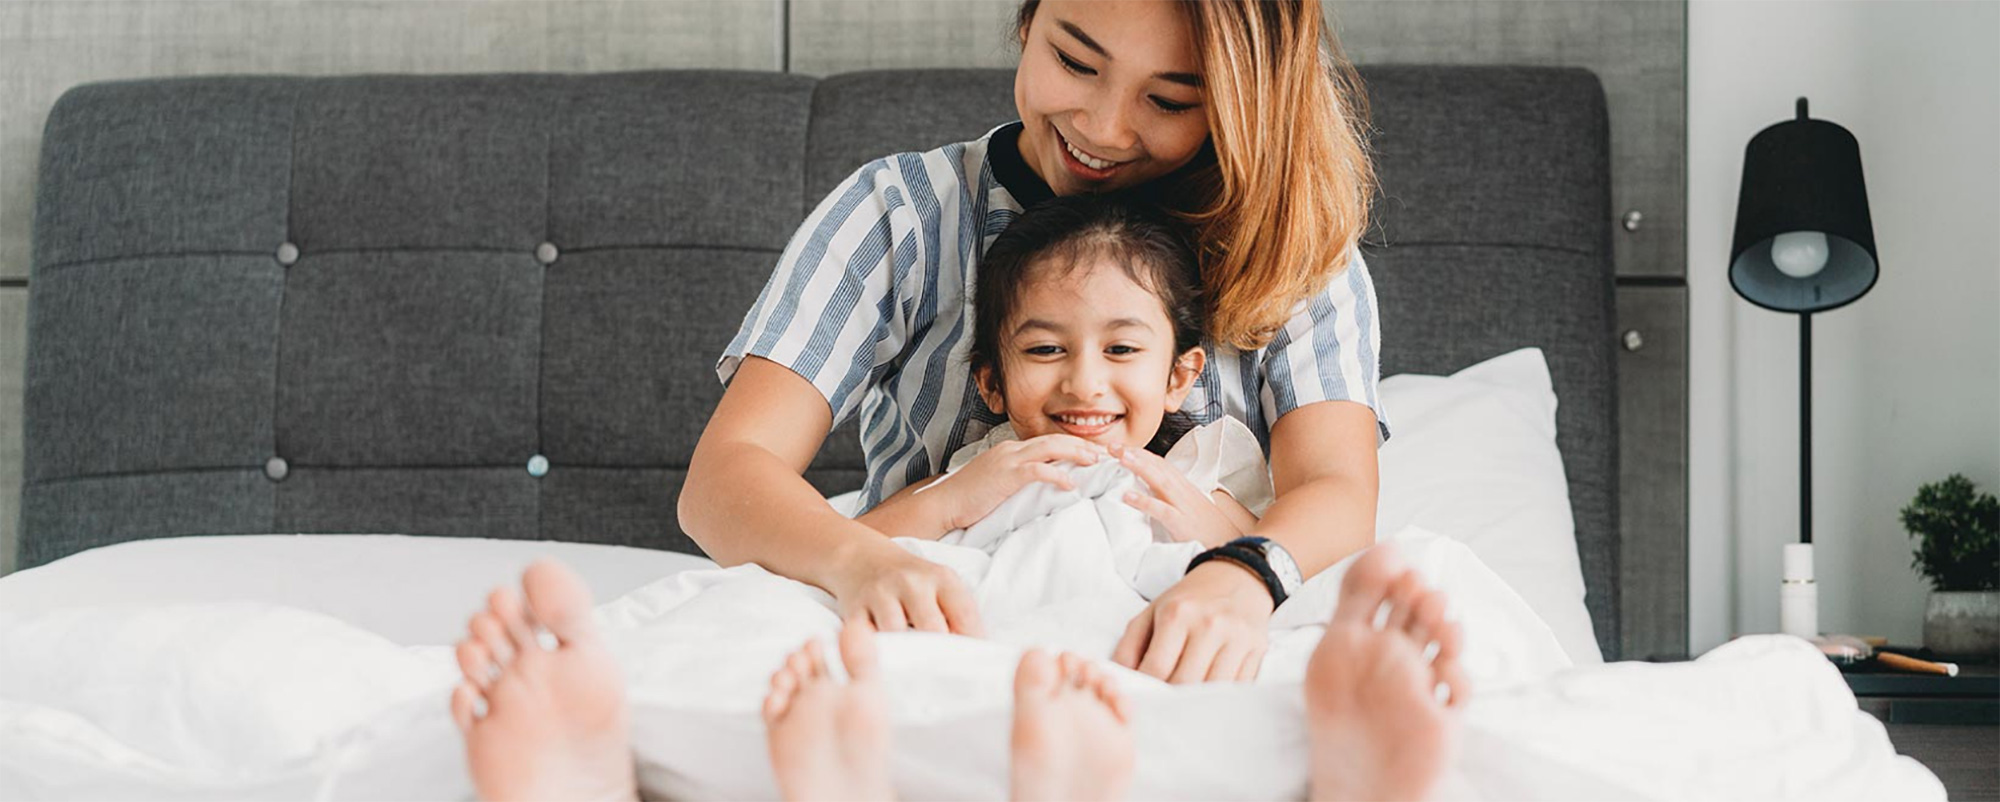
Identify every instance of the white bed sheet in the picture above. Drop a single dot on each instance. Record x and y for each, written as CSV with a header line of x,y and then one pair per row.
x,y
1763,718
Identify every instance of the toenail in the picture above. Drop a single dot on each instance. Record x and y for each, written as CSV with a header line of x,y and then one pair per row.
x,y
1443,693
492,673
1381,616
545,639
1431,650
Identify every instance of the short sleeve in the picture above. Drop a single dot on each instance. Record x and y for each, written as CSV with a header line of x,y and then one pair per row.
x,y
1328,351
831,310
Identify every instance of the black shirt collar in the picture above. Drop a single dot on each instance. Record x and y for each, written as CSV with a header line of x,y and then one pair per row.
x,y
1004,150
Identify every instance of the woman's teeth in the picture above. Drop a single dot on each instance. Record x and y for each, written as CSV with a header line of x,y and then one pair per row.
x,y
1094,420
1092,163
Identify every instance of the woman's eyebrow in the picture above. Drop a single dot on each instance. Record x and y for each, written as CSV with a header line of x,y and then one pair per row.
x,y
1183,78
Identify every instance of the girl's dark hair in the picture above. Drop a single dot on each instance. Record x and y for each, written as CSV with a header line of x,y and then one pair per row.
x,y
1055,237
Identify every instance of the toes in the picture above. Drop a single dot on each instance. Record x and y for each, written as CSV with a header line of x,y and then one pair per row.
x,y
505,605
857,650
1070,668
1426,616
784,684
488,632
558,599
1035,677
1101,685
476,663
1403,595
1366,584
465,703
816,659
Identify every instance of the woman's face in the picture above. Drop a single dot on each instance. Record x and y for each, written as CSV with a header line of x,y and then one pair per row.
x,y
1090,354
1108,94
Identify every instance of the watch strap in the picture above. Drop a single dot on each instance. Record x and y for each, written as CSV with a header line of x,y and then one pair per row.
x,y
1250,558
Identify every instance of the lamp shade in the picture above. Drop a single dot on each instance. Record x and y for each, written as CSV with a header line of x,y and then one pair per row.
x,y
1804,241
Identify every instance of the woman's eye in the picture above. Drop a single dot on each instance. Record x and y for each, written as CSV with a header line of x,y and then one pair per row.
x,y
1073,65
1171,107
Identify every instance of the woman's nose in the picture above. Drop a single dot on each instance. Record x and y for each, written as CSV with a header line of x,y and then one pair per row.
x,y
1106,126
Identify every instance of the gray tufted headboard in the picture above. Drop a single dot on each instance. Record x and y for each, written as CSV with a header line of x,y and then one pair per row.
x,y
491,304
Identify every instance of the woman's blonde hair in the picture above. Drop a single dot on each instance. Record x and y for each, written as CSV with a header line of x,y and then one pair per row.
x,y
1283,204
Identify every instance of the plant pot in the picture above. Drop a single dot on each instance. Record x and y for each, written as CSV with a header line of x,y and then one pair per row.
x,y
1964,624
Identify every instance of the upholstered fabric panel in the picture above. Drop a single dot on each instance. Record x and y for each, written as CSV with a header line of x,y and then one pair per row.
x,y
64,516
628,353
862,116
411,357
203,168
143,364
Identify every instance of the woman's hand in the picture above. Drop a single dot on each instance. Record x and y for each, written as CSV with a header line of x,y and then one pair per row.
x,y
896,590
1180,508
1001,471
1209,627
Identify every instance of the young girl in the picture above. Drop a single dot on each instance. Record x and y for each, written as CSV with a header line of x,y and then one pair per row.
x,y
1088,334
1238,114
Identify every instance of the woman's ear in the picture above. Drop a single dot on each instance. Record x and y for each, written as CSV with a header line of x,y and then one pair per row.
x,y
1187,369
989,391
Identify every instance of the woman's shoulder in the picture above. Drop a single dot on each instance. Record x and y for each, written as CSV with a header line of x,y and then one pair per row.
x,y
951,167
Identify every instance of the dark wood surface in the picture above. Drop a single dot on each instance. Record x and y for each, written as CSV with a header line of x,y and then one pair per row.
x,y
1965,758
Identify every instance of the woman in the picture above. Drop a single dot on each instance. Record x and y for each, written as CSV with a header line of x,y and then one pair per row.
x,y
1240,115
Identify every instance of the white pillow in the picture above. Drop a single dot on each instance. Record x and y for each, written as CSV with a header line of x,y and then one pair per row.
x,y
1474,457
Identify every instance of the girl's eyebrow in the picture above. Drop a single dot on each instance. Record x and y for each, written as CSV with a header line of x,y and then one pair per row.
x,y
1187,79
1049,325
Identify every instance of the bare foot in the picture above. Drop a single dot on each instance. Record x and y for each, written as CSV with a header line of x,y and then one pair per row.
x,y
1072,735
829,739
543,717
1379,722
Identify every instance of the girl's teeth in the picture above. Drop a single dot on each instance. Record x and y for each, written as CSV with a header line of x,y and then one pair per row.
x,y
1094,164
1098,421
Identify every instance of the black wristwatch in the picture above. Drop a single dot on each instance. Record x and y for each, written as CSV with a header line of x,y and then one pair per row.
x,y
1264,557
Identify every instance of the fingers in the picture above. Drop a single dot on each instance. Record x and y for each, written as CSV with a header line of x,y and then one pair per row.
x,y
1228,664
1047,472
1163,652
1064,447
1167,514
926,615
887,615
1132,644
961,611
1196,658
857,651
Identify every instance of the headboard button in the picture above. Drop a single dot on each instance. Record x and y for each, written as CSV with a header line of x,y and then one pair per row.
x,y
275,469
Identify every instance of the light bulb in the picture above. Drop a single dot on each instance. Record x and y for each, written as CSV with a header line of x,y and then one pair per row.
x,y
1799,254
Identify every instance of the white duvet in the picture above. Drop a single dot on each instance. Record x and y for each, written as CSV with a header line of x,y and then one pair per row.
x,y
256,700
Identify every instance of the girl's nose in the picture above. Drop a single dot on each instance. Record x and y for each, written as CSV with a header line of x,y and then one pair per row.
x,y
1086,380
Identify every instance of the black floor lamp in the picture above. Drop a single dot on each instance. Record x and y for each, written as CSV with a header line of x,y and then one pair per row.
x,y
1803,244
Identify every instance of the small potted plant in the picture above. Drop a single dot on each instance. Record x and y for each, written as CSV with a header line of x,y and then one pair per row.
x,y
1957,530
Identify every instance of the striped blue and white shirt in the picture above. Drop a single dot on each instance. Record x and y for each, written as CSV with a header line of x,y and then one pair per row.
x,y
872,303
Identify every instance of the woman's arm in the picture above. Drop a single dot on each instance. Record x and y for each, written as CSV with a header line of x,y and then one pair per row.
x,y
746,500
1211,625
905,514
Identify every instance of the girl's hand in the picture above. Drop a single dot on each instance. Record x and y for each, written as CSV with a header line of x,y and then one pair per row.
x,y
1208,627
1183,510
1001,471
880,582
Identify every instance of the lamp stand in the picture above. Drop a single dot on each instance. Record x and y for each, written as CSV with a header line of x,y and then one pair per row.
x,y
1798,594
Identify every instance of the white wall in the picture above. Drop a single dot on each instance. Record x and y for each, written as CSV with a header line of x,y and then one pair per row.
x,y
1907,379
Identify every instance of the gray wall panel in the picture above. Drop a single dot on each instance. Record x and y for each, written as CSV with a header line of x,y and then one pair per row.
x,y
1652,419
834,36
13,358
1638,48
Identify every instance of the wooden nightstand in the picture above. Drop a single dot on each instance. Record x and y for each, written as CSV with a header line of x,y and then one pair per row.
x,y
1949,724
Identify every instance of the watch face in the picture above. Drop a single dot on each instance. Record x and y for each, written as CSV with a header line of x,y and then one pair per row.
x,y
1284,566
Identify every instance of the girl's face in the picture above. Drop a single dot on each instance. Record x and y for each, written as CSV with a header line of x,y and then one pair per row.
x,y
1115,81
1090,354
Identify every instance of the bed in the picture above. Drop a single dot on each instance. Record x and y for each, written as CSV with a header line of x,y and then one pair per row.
x,y
364,346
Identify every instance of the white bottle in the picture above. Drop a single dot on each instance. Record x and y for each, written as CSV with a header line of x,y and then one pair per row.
x,y
1798,597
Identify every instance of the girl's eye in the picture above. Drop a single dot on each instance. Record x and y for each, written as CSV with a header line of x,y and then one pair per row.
x,y
1121,350
1073,65
1171,107
1044,350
